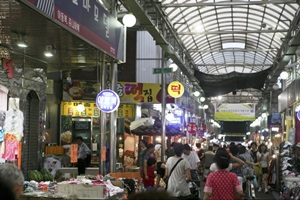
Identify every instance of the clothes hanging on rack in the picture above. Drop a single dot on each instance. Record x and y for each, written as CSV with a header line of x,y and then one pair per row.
x,y
11,146
14,123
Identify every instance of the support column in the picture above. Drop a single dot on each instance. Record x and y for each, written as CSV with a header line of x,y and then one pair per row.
x,y
163,108
103,72
113,120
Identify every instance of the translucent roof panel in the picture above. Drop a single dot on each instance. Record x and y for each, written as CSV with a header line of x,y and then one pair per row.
x,y
205,26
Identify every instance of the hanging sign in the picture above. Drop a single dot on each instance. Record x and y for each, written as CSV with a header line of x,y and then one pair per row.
x,y
175,89
192,128
107,101
73,153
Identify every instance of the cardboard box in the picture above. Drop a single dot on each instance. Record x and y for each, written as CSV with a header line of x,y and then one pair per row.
x,y
66,189
82,191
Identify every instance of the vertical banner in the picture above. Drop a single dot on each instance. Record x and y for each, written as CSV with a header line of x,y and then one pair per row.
x,y
74,153
103,153
19,155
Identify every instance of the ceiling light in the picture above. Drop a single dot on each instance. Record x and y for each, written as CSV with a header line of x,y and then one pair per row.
x,y
202,99
219,97
233,45
49,52
205,106
196,93
284,75
22,42
129,20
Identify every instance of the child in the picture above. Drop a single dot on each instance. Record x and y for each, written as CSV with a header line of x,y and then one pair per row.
x,y
149,183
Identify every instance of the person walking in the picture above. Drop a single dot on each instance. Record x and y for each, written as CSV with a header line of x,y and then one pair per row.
x,y
263,156
143,145
149,154
149,183
222,184
83,152
178,171
209,159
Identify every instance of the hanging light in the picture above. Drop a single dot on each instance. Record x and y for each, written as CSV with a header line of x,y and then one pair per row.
x,y
129,20
173,66
275,86
196,93
49,52
202,99
22,42
80,107
284,75
205,106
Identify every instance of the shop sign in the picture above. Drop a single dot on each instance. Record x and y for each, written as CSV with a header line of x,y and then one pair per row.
x,y
88,20
192,128
175,89
131,92
107,101
70,108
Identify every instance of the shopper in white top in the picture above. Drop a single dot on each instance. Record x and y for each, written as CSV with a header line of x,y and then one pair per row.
x,y
263,157
191,156
178,181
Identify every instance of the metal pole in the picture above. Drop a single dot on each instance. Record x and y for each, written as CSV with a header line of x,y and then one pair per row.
x,y
102,115
163,108
113,120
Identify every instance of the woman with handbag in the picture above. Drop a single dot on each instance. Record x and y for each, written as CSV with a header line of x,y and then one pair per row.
x,y
179,174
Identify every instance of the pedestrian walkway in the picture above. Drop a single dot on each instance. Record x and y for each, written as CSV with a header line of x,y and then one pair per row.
x,y
272,195
264,196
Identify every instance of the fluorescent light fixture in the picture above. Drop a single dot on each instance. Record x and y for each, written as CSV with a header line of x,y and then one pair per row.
x,y
49,52
233,45
22,44
129,20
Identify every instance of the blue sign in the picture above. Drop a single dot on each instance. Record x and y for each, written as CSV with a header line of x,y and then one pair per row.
x,y
107,101
88,20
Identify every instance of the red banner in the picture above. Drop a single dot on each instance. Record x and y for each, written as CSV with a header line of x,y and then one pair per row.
x,y
192,128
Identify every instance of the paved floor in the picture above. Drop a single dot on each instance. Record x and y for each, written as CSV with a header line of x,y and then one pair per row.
x,y
272,195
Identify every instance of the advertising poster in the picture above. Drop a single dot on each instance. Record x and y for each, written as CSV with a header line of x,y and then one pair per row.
x,y
235,112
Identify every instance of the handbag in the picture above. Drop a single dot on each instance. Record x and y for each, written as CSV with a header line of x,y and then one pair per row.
x,y
166,180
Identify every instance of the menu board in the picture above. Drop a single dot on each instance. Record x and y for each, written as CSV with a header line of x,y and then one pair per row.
x,y
71,108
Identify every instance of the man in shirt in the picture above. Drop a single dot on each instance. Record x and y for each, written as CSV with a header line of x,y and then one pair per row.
x,y
83,152
209,159
194,161
191,157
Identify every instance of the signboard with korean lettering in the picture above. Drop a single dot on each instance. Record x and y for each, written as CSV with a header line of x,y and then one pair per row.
x,y
175,89
74,153
191,128
235,112
107,101
131,92
88,20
